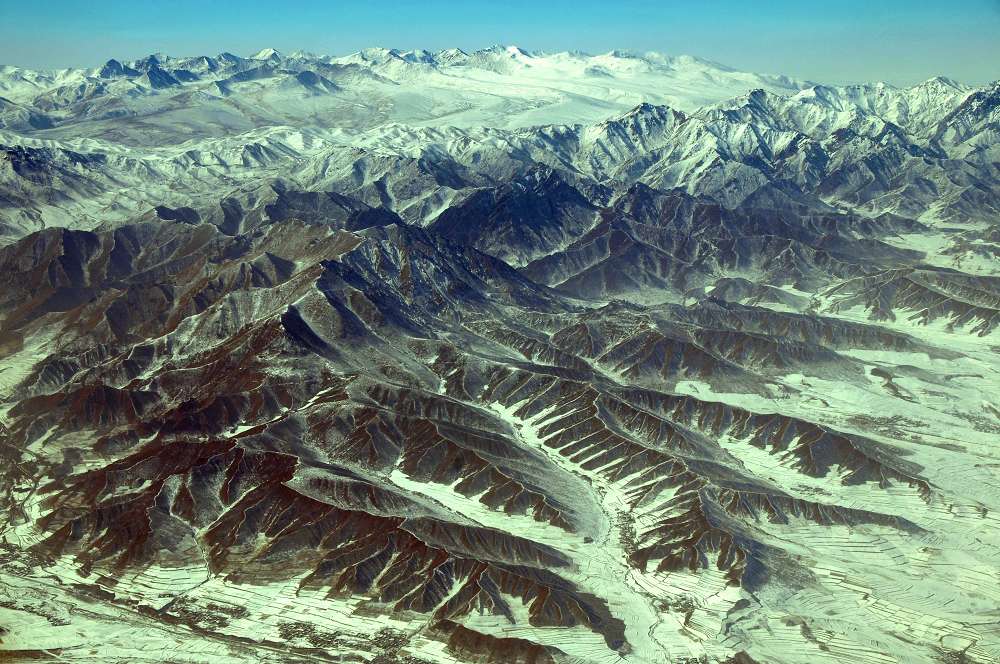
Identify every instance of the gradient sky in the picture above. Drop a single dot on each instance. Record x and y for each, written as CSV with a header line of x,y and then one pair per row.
x,y
851,40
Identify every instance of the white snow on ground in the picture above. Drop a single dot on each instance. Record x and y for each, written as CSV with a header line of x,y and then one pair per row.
x,y
639,598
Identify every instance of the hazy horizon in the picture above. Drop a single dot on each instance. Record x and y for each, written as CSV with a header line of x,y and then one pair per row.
x,y
901,43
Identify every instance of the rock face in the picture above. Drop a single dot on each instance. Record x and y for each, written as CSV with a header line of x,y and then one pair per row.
x,y
713,383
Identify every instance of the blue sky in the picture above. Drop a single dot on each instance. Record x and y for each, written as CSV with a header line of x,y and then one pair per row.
x,y
835,42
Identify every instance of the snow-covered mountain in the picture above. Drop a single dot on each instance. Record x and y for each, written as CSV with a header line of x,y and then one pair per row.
x,y
496,356
500,86
360,122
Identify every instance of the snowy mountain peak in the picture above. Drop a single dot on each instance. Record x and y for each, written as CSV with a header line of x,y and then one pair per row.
x,y
267,54
421,56
942,82
517,52
506,51
114,69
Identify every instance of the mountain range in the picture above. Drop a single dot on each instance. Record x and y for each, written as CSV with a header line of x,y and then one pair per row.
x,y
501,356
